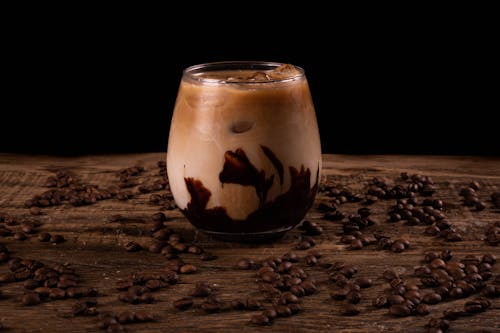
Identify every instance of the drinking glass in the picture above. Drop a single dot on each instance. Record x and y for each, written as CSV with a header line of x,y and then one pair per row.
x,y
244,154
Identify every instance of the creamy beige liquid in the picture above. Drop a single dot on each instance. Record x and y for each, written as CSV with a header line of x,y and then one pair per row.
x,y
270,122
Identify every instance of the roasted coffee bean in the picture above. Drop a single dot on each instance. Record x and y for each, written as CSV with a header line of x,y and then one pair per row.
x,y
187,269
44,237
348,270
422,271
124,284
437,263
179,247
170,277
57,293
380,302
201,290
42,291
245,264
156,246
144,316
295,307
311,228
311,260
303,245
35,211
146,298
350,310
270,313
390,275
309,287
56,239
397,247
396,299
253,304
491,291
30,299
127,297
288,298
441,325
364,282
20,236
423,309
79,308
207,256
283,311
290,256
339,294
238,304
106,320
194,249
30,284
353,297
297,290
155,284
183,303
454,237
431,298
260,319
28,228
210,307
347,239
400,310
474,306
356,244
126,317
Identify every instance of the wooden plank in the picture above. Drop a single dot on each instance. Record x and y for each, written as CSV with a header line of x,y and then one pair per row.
x,y
94,247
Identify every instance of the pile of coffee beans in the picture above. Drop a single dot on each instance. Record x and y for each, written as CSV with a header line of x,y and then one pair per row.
x,y
43,283
67,187
113,322
347,287
449,279
471,198
139,288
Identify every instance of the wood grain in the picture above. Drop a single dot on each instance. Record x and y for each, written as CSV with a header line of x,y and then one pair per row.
x,y
94,248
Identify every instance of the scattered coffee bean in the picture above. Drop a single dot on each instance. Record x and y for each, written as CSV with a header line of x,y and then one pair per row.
x,y
400,310
30,299
283,311
183,303
350,310
44,237
56,239
356,244
364,282
144,316
126,317
187,269
207,256
20,236
380,302
260,319
423,309
202,289
246,264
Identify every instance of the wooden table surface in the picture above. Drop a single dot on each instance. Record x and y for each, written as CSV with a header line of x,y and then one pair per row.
x,y
94,248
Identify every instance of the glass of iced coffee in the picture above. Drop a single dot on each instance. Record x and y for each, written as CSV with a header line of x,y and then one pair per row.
x,y
244,155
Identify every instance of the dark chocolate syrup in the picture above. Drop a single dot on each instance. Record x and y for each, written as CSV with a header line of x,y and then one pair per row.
x,y
286,210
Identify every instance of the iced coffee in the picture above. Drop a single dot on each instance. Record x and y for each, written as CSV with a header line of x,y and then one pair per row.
x,y
244,154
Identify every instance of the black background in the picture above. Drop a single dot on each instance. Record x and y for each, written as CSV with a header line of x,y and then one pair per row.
x,y
379,87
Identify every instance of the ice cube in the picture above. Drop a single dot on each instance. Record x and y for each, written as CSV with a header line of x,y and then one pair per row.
x,y
284,71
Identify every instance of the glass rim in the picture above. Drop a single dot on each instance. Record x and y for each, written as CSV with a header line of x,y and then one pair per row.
x,y
191,71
